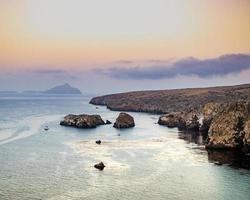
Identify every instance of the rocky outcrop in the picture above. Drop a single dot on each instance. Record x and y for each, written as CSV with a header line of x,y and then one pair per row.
x,y
108,122
226,131
227,124
124,120
229,127
171,120
208,113
98,141
182,120
100,166
82,121
192,121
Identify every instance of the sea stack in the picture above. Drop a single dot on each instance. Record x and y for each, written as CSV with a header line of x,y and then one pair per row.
x,y
124,120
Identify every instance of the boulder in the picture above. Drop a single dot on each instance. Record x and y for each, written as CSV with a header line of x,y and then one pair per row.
x,y
100,166
124,120
82,121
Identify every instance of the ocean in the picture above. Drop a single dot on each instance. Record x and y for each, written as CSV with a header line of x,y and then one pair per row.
x,y
146,162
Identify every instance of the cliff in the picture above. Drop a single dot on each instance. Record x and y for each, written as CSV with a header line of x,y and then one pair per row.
x,y
176,100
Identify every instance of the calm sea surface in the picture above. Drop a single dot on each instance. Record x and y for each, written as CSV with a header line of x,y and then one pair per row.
x,y
145,162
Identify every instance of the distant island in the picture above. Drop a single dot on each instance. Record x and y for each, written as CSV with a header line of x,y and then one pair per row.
x,y
8,92
63,89
60,89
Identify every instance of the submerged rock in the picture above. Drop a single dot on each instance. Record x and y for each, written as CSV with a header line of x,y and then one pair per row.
x,y
124,120
98,141
108,122
217,163
82,121
100,166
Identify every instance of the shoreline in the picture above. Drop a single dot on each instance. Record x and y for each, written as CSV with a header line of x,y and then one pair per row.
x,y
223,113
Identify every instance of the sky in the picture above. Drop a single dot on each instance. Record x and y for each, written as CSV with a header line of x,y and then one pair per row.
x,y
116,45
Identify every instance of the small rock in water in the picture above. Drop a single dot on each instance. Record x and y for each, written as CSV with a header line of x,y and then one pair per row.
x,y
217,163
108,122
99,166
46,128
98,141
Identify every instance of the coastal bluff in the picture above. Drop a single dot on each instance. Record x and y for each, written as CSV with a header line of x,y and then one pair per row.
x,y
175,100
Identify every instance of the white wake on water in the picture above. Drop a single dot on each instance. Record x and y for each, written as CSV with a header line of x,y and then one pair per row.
x,y
25,128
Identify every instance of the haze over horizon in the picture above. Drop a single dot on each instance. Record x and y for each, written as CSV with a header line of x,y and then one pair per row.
x,y
116,46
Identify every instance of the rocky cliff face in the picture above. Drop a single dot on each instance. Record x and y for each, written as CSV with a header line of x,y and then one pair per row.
x,y
229,128
227,124
246,139
209,111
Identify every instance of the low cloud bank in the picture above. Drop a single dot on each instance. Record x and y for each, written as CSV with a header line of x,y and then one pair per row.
x,y
220,66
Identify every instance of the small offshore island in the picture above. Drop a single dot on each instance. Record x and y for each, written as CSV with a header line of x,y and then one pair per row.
x,y
222,114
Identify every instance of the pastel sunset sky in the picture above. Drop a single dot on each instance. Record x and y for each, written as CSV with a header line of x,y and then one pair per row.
x,y
117,45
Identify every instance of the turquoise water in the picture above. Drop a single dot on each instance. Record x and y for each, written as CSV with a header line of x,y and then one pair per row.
x,y
145,162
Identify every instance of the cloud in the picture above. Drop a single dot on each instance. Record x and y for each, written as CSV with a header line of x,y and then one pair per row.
x,y
125,62
56,73
220,66
49,71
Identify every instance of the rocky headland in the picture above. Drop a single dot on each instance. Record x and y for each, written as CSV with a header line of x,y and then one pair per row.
x,y
176,100
221,113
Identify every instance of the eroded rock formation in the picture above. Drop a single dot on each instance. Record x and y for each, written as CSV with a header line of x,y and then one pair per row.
x,y
227,124
124,120
82,121
182,120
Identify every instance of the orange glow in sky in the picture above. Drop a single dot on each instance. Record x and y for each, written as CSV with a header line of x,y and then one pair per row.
x,y
84,33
